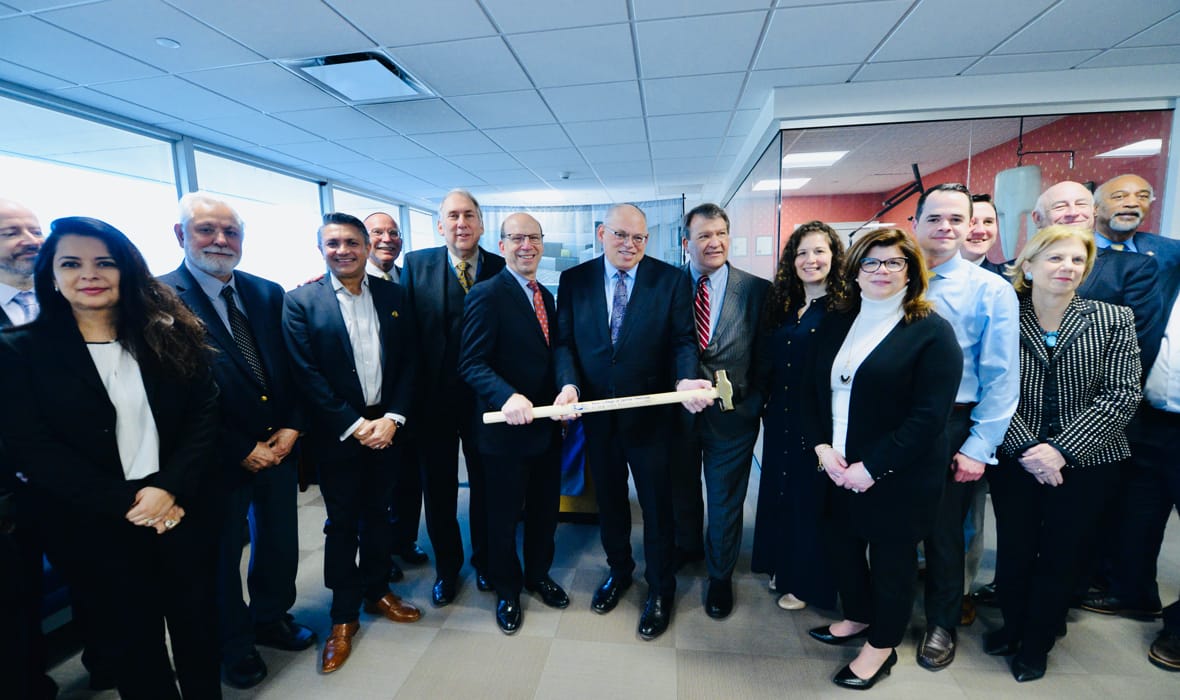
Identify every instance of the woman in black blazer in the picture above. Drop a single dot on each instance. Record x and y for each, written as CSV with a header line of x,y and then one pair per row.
x,y
115,434
1079,387
884,372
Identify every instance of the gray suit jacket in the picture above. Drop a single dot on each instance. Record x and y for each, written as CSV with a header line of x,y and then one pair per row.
x,y
735,346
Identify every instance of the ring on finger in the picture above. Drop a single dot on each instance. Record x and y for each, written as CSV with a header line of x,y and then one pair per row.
x,y
170,523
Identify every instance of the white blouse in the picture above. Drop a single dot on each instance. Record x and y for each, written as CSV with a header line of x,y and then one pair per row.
x,y
135,426
876,319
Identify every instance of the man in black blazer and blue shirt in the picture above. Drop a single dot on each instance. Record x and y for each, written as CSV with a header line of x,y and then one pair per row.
x,y
727,310
1121,205
436,282
624,327
260,423
351,341
507,360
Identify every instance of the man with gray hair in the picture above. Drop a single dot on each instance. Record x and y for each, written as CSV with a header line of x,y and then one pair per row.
x,y
1121,205
259,425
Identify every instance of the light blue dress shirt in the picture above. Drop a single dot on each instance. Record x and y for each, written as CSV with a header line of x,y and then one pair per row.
x,y
611,271
1103,243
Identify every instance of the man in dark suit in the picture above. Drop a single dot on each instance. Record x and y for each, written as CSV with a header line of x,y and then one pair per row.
x,y
624,327
436,282
385,245
260,423
727,310
351,341
1121,205
507,360
20,239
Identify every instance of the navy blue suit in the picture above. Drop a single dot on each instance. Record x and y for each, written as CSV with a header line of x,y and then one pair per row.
x,y
505,352
1133,280
656,347
355,481
1166,251
251,413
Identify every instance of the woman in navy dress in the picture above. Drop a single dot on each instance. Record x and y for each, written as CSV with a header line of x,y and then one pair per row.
x,y
787,544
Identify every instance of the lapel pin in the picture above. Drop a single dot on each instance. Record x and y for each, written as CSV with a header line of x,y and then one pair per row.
x,y
393,313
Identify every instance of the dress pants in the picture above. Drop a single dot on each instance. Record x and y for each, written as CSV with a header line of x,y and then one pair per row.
x,y
437,447
356,492
268,499
22,646
1042,533
944,546
877,589
406,505
650,467
725,463
973,540
531,483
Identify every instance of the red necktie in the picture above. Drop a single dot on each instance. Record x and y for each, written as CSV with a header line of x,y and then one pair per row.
x,y
539,308
701,309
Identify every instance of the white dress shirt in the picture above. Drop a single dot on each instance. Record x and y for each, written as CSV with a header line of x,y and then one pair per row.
x,y
364,335
135,425
1163,381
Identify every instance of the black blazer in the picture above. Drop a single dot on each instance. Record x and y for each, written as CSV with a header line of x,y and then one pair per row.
x,y
902,396
324,367
63,435
1166,251
5,322
656,347
425,276
1130,279
248,414
504,353
1095,371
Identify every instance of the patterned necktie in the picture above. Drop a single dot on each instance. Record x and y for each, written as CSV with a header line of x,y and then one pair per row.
x,y
28,304
1117,246
243,338
539,309
701,311
618,306
461,272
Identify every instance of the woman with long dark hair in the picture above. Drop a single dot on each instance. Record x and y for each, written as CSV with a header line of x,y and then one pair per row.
x,y
787,544
115,433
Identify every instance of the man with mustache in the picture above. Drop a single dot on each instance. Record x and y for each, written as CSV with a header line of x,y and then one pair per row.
x,y
1121,205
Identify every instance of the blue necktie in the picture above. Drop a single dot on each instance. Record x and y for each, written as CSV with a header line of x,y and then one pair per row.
x,y
28,304
618,306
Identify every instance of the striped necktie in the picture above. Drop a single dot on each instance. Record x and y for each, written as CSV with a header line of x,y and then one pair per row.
x,y
701,311
28,304
243,337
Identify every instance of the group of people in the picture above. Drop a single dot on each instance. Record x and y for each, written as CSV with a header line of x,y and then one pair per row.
x,y
157,415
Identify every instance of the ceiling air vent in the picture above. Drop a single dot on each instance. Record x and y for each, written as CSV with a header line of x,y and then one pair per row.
x,y
362,78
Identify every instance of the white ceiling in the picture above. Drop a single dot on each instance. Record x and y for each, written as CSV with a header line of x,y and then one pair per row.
x,y
631,99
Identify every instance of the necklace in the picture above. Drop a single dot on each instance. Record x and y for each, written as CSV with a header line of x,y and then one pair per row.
x,y
846,375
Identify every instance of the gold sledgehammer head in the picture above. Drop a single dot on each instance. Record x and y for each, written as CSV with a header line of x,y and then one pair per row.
x,y
724,389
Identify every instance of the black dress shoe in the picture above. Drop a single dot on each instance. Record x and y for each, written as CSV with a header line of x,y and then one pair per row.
x,y
1000,643
395,572
246,672
551,594
657,613
847,679
413,555
824,634
483,583
986,595
443,592
609,593
719,599
284,633
1165,651
1028,669
508,615
1106,604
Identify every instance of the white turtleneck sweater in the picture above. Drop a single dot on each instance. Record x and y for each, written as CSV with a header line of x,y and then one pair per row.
x,y
876,319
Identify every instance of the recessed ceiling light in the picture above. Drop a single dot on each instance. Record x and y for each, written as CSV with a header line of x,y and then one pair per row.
x,y
817,159
167,43
1146,147
788,183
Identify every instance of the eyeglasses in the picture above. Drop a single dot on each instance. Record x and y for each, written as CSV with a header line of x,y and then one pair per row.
x,y
622,236
891,264
520,238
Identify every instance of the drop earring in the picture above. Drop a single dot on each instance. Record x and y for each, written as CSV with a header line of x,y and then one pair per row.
x,y
1028,276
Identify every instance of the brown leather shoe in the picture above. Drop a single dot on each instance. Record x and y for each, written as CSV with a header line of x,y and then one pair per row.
x,y
968,614
937,649
338,646
393,608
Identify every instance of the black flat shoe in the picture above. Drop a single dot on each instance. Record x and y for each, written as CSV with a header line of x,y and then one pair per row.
x,y
551,594
413,555
284,633
998,643
824,634
657,613
244,673
1028,670
847,679
609,593
508,615
719,599
443,592
483,583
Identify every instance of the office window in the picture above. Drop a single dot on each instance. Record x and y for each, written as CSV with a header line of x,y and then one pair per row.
x,y
422,233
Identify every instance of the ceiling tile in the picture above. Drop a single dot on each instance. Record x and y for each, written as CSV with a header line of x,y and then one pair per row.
x,y
453,143
463,67
743,121
681,167
614,153
515,176
661,9
607,131
335,123
526,138
577,56
581,103
440,172
264,86
114,105
924,33
218,138
297,29
1164,33
171,95
42,47
385,147
514,16
29,77
1145,56
902,70
320,152
1105,24
370,169
688,126
200,46
485,161
692,93
686,148
259,129
417,23
625,169
555,159
677,47
759,83
418,116
503,109
790,40
1029,62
